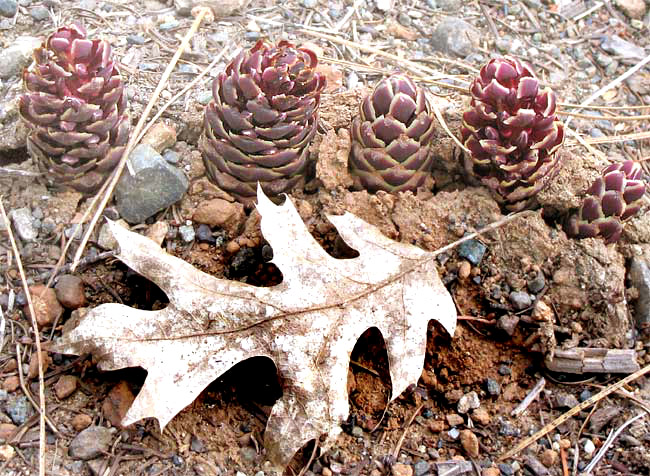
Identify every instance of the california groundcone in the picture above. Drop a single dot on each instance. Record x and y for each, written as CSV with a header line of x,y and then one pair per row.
x,y
391,137
76,109
612,198
512,133
262,119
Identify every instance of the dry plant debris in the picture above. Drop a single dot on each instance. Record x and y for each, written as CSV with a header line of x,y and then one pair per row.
x,y
308,324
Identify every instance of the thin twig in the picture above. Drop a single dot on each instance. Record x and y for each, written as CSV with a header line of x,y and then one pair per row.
x,y
37,339
138,128
400,442
574,411
532,395
608,442
311,459
612,84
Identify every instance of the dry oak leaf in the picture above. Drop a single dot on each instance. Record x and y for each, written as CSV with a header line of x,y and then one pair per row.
x,y
308,324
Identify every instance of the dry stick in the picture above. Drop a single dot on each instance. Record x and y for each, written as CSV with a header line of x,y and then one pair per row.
x,y
205,71
603,108
37,338
411,65
400,442
643,117
586,145
575,410
608,442
611,85
532,395
443,123
28,394
138,128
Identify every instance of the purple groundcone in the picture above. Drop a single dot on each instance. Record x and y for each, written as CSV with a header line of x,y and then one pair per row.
x,y
391,137
262,118
75,107
614,197
512,132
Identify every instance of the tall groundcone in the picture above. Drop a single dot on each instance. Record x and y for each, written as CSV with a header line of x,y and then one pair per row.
x,y
261,121
76,109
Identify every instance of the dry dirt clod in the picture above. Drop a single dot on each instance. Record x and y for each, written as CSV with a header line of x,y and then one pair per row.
x,y
11,384
161,136
481,416
81,421
454,419
70,291
400,469
7,431
7,452
490,472
221,213
549,458
46,305
117,403
33,364
65,386
470,443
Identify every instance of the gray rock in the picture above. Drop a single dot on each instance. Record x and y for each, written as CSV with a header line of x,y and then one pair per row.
x,y
536,284
39,13
90,443
17,56
468,402
187,233
455,36
565,400
520,300
19,409
421,468
8,8
309,3
204,97
602,417
616,45
492,387
248,454
506,469
24,223
508,323
639,276
472,251
535,465
155,185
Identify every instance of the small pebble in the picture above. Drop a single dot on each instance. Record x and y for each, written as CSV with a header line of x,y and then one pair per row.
x,y
135,39
421,468
589,447
469,441
506,469
65,386
584,395
39,13
187,233
69,291
81,421
520,300
504,370
472,250
468,402
492,387
204,234
454,433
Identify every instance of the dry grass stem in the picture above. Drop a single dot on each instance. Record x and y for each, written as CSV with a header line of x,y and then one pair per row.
x,y
574,411
37,340
136,133
608,442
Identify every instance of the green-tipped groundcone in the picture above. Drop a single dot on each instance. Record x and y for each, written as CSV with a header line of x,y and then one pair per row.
x,y
391,137
76,109
262,119
612,198
512,132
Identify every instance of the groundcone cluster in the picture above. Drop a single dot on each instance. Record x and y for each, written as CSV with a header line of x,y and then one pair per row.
x,y
264,115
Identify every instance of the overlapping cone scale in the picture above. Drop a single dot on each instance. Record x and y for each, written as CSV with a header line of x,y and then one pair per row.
x,y
512,132
391,137
75,107
262,118
614,197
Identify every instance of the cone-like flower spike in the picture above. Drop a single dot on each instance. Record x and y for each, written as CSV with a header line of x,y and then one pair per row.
x,y
511,132
391,136
76,109
262,118
612,198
